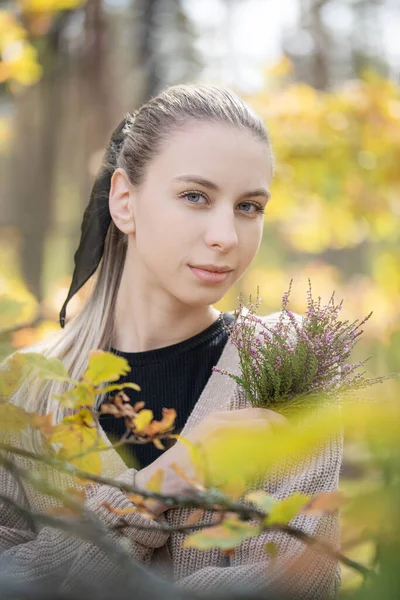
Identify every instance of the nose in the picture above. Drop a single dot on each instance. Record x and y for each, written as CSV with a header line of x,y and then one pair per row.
x,y
221,230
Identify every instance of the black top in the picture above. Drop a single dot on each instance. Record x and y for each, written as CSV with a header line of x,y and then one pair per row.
x,y
169,377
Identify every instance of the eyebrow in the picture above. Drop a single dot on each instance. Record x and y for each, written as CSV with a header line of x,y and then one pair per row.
x,y
213,186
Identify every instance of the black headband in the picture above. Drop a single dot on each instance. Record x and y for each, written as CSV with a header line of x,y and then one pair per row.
x,y
96,220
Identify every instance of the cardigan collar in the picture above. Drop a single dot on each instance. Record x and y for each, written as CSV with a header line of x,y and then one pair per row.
x,y
217,393
219,389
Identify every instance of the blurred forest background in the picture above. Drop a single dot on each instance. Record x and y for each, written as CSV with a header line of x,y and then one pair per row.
x,y
323,73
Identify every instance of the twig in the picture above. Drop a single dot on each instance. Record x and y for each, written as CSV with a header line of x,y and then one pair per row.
x,y
94,531
167,529
212,500
327,548
124,441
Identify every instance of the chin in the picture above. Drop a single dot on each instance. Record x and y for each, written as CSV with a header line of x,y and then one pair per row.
x,y
205,297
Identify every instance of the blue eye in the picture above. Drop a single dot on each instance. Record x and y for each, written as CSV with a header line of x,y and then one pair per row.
x,y
193,194
258,208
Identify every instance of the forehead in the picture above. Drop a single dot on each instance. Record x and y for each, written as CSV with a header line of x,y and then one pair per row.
x,y
214,150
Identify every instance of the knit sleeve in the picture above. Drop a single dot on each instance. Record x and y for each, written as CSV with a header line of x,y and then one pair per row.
x,y
296,572
51,556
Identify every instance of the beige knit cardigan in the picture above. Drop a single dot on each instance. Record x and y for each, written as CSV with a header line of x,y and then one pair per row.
x,y
35,556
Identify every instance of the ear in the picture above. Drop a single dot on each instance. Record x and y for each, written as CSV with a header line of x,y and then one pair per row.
x,y
121,201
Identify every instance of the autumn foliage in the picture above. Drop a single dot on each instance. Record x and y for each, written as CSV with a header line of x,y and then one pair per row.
x,y
223,467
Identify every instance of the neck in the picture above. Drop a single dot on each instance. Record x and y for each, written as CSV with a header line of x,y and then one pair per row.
x,y
142,325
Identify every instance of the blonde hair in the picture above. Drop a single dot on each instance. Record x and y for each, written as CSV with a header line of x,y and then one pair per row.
x,y
145,134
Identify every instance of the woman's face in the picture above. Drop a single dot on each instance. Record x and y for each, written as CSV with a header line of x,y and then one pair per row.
x,y
182,223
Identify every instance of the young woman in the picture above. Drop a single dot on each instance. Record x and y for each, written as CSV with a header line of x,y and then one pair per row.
x,y
174,221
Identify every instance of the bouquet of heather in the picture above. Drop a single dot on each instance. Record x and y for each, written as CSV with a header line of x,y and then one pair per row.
x,y
299,360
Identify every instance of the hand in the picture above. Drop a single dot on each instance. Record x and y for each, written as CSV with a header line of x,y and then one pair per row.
x,y
173,484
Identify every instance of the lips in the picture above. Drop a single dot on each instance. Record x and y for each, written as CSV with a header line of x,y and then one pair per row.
x,y
210,277
212,268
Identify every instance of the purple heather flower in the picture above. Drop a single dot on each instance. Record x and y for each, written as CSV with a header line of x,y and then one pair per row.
x,y
320,346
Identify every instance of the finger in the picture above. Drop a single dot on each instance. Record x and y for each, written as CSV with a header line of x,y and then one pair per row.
x,y
252,413
276,417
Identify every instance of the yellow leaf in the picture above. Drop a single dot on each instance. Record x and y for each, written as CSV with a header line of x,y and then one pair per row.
x,y
117,387
25,69
226,536
272,549
285,510
167,421
234,487
183,476
80,395
324,503
156,480
120,511
90,462
282,68
157,428
13,418
262,500
50,5
142,421
12,375
194,518
80,441
104,367
158,444
44,423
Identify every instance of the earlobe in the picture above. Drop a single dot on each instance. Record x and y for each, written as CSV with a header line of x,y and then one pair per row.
x,y
121,201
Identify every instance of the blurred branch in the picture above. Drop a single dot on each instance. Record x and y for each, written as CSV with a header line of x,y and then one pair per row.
x,y
94,531
201,500
326,548
182,529
91,528
212,500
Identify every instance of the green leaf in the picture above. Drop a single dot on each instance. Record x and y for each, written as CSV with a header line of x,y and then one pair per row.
x,y
13,418
12,374
104,367
285,510
226,536
80,395
115,387
48,368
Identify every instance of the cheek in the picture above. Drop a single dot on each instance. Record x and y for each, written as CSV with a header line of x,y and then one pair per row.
x,y
159,240
250,242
